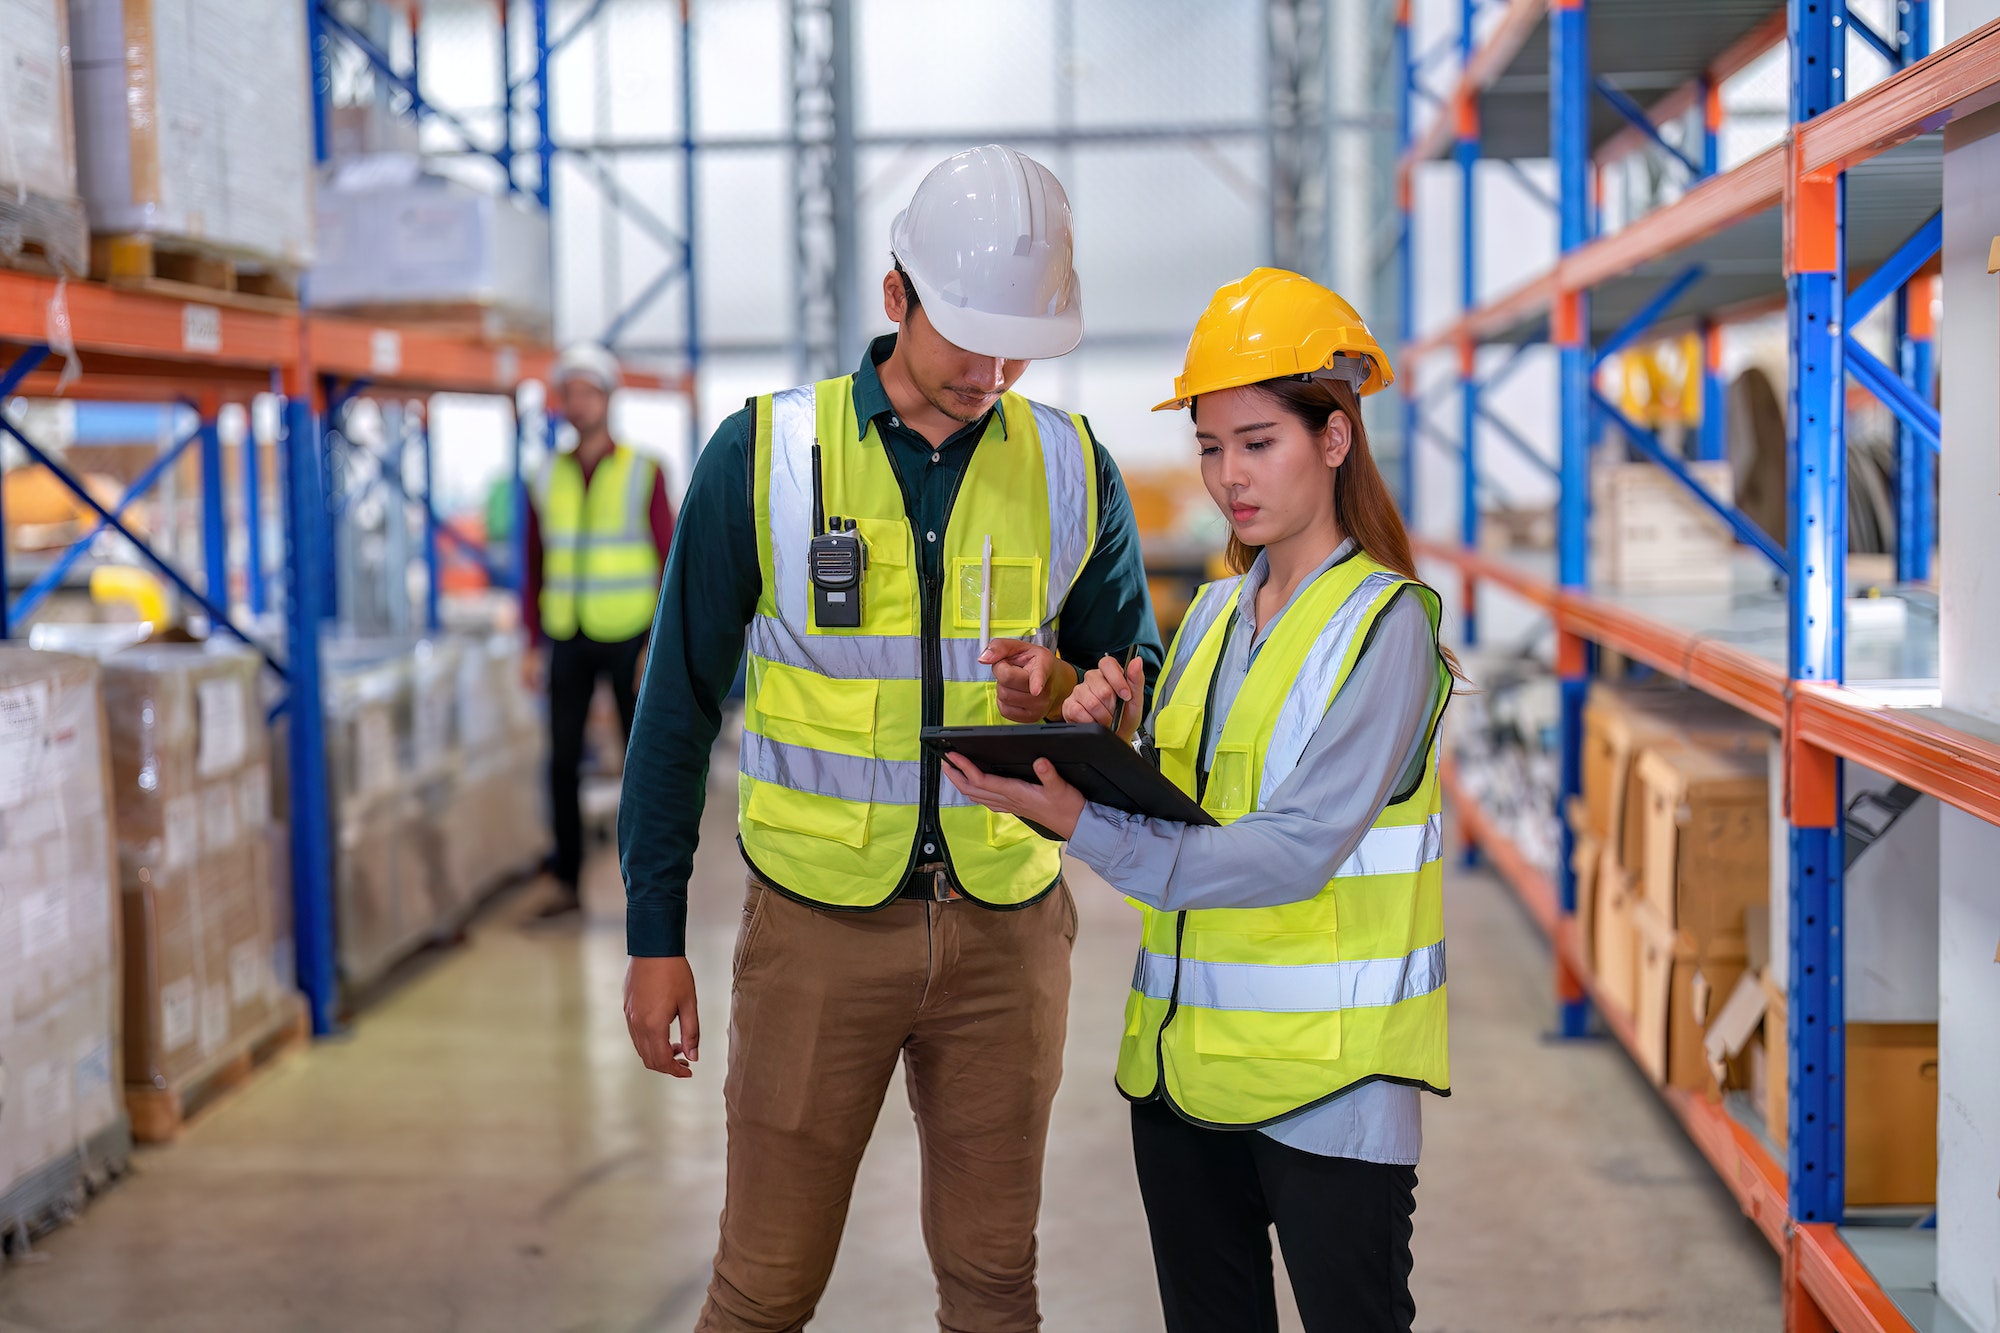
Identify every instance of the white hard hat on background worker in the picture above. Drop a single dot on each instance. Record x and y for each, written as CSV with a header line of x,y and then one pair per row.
x,y
986,241
588,361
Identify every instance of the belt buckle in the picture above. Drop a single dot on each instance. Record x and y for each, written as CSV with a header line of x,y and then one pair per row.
x,y
942,890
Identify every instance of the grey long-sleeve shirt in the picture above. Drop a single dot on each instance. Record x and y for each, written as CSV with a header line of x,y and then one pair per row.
x,y
1371,743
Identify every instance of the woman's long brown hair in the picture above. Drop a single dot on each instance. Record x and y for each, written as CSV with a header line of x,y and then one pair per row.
x,y
1362,504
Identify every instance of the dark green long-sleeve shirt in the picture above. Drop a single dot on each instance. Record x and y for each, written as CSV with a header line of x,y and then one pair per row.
x,y
709,596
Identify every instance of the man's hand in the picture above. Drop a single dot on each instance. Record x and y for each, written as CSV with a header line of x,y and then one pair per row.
x,y
1033,680
1048,801
659,991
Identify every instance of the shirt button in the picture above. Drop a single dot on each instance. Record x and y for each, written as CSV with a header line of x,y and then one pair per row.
x,y
936,457
930,849
895,421
930,536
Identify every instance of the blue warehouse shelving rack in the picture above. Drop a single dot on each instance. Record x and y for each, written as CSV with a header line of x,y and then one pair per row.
x,y
1836,219
124,345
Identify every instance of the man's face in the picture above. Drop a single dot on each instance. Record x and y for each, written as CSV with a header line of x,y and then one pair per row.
x,y
963,385
583,404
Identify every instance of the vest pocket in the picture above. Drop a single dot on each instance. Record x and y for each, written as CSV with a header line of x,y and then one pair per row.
x,y
819,712
789,811
1266,1036
1017,593
1231,786
1174,728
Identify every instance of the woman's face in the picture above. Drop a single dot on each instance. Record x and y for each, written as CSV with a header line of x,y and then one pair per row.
x,y
1270,476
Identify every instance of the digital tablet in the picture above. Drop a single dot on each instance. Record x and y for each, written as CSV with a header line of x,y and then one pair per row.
x,y
1090,758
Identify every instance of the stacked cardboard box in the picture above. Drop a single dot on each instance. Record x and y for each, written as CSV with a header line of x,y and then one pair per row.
x,y
41,217
1648,533
191,767
494,824
61,1119
193,124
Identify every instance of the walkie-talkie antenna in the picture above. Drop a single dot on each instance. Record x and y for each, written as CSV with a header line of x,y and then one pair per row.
x,y
819,500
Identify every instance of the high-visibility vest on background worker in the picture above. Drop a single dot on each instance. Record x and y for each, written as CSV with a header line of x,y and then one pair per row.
x,y
1240,1016
832,775
600,568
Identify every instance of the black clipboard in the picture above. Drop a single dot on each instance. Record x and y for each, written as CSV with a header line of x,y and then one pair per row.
x,y
1089,757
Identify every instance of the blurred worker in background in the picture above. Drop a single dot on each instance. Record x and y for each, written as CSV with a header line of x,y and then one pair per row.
x,y
1288,1008
886,917
598,535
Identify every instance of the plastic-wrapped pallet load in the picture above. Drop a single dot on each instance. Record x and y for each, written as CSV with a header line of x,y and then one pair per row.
x,y
193,123
369,727
62,1125
41,217
394,240
191,767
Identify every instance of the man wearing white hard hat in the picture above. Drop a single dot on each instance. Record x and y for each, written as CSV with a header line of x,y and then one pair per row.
x,y
909,545
599,530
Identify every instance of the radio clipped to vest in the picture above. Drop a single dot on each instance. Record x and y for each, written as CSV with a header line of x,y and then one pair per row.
x,y
836,558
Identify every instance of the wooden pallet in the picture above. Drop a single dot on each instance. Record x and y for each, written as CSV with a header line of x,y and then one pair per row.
x,y
161,1115
189,272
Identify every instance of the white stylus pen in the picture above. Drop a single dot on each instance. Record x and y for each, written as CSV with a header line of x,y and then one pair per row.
x,y
986,592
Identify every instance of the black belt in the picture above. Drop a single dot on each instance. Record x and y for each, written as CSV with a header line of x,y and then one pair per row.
x,y
932,882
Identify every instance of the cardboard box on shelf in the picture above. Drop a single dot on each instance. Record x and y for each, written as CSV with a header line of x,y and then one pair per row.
x,y
1648,533
193,124
1619,720
1892,1106
1705,840
58,927
191,766
1680,988
1615,940
41,217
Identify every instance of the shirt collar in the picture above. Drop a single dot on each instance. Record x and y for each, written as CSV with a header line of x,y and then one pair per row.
x,y
1260,570
871,400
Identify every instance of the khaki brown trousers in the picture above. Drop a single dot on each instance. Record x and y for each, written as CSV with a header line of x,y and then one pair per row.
x,y
974,1001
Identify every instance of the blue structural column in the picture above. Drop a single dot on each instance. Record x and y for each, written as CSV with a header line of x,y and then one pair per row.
x,y
1569,327
431,619
320,56
253,515
312,848
1406,280
545,147
1817,540
214,509
1916,504
1465,110
1712,440
690,278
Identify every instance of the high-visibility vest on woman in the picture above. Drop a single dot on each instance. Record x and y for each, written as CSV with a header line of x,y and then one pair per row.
x,y
600,568
833,777
1240,1016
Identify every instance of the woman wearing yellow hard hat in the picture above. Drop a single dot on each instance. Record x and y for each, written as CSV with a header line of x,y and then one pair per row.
x,y
1288,1007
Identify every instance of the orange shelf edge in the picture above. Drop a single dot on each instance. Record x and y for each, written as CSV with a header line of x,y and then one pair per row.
x,y
1506,37
1843,1289
1954,82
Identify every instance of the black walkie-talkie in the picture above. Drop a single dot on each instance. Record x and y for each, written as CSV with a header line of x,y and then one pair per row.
x,y
837,556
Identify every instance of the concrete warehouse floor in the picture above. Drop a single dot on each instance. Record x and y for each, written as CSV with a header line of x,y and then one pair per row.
x,y
484,1152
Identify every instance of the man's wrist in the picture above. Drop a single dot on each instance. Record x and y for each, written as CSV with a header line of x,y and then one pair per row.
x,y
1062,684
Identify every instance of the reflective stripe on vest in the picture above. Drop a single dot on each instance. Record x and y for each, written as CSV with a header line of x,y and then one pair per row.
x,y
833,778
1361,983
1241,1016
600,567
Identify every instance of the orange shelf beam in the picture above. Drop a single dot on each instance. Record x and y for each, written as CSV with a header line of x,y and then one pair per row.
x,y
1840,1285
1493,56
1962,78
159,330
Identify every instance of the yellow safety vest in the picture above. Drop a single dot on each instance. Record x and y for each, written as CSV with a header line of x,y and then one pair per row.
x,y
833,777
1240,1016
600,569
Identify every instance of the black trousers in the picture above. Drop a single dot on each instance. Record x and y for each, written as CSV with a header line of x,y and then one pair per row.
x,y
574,666
1212,1197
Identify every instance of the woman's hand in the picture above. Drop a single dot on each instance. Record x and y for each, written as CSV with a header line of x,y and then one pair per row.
x,y
1052,803
1109,695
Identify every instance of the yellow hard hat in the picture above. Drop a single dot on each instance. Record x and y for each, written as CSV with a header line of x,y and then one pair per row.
x,y
1272,324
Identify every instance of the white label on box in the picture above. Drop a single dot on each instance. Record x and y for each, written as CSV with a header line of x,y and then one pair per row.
x,y
44,921
247,976
177,1014
24,725
182,834
219,827
219,713
214,1017
201,329
255,803
385,351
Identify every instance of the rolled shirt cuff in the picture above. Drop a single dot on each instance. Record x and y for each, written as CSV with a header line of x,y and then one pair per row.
x,y
655,932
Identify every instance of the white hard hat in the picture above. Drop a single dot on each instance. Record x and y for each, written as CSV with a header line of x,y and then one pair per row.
x,y
589,361
986,241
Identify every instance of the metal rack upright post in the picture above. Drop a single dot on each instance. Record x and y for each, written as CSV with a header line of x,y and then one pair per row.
x,y
1771,233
